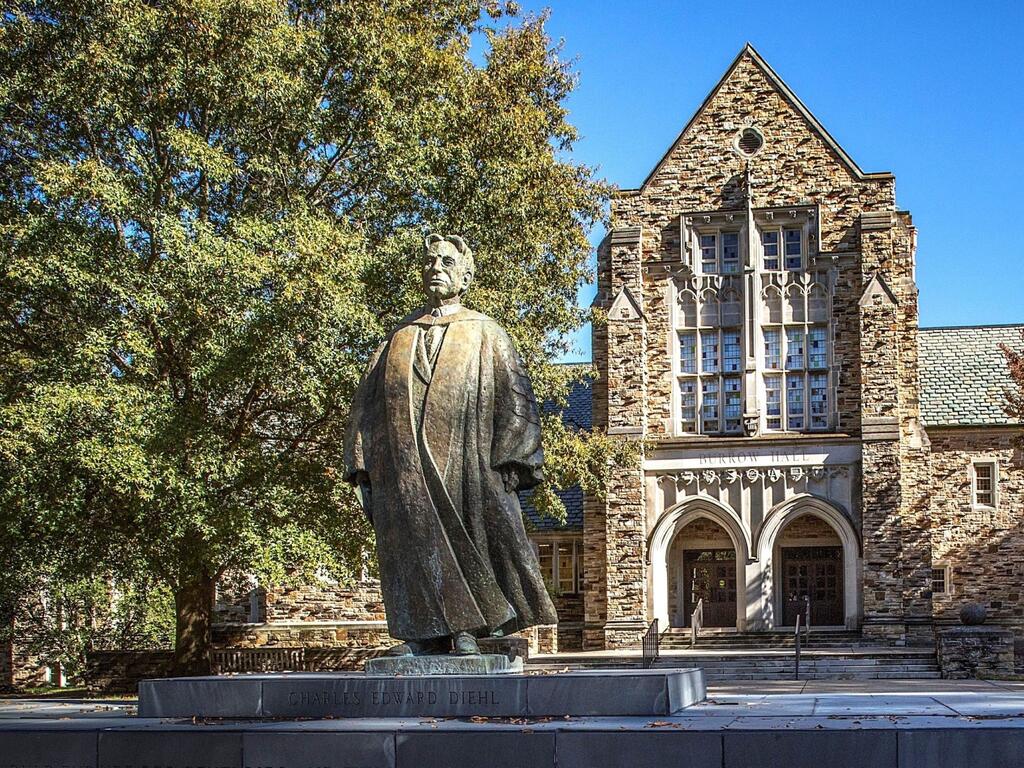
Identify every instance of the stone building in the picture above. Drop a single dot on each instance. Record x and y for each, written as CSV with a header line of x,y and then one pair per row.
x,y
808,448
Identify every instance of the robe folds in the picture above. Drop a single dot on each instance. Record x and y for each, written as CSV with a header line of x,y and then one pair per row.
x,y
434,440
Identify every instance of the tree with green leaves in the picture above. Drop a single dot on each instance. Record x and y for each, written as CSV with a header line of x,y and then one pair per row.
x,y
1014,396
210,213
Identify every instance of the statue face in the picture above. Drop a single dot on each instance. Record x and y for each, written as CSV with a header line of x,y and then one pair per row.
x,y
444,274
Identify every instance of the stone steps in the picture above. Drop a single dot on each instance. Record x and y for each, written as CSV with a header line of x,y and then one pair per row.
x,y
873,663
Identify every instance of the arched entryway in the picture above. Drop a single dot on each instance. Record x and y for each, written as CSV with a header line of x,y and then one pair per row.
x,y
810,556
699,549
702,568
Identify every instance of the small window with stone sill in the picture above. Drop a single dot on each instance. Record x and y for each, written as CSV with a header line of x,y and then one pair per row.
x,y
782,248
940,580
984,484
720,252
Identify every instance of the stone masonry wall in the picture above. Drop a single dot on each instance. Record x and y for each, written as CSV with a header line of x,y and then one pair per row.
x,y
703,173
874,350
984,548
975,652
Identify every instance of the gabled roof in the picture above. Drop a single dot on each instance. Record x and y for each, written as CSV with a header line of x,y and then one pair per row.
x,y
780,85
963,374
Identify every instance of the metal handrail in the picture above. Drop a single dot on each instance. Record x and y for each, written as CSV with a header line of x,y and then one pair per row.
x,y
650,645
696,621
796,661
807,617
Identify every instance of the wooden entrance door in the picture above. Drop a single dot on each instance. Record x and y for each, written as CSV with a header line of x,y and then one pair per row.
x,y
815,573
710,575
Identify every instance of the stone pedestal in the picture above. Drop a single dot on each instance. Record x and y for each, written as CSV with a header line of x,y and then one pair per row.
x,y
444,664
973,652
591,693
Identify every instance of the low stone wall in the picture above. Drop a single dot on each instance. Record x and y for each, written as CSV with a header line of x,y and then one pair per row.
x,y
120,671
973,652
355,635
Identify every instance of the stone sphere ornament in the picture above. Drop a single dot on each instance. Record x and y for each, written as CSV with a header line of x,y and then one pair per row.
x,y
973,614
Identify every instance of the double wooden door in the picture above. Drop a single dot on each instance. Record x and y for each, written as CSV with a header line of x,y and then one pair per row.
x,y
813,574
710,575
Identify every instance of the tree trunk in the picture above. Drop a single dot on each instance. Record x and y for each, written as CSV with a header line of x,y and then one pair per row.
x,y
193,613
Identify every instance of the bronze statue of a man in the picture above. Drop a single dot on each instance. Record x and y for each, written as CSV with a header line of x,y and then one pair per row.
x,y
444,430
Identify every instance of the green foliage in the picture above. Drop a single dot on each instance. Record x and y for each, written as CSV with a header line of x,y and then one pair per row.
x,y
1014,396
61,619
210,213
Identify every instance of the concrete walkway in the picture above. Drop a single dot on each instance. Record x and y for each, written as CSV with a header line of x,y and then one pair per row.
x,y
747,698
748,724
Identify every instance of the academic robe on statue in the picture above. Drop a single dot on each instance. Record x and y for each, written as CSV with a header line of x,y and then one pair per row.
x,y
444,407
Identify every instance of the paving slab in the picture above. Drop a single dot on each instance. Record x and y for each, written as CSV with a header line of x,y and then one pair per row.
x,y
663,748
876,704
46,708
957,748
125,748
33,749
991,704
835,749
495,749
328,750
777,705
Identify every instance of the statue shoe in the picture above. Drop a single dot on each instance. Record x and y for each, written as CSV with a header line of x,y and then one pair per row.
x,y
465,645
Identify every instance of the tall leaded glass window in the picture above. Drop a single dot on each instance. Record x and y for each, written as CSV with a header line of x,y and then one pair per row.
x,y
709,352
772,349
688,352
709,405
790,345
794,349
732,355
805,379
795,402
733,404
773,401
819,401
709,254
688,404
730,253
817,347
710,357
794,249
770,248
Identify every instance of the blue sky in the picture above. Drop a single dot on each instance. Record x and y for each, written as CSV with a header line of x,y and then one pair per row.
x,y
930,91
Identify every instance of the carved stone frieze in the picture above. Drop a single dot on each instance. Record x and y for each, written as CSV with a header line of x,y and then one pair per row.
x,y
791,475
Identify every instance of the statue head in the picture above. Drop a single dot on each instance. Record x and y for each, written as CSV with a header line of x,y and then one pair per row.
x,y
447,269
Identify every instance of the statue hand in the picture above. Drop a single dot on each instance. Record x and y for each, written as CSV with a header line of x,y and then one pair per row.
x,y
365,494
510,479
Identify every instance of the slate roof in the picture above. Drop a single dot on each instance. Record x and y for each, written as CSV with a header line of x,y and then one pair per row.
x,y
963,374
576,413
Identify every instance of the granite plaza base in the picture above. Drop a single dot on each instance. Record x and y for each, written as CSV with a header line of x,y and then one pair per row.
x,y
754,731
591,693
